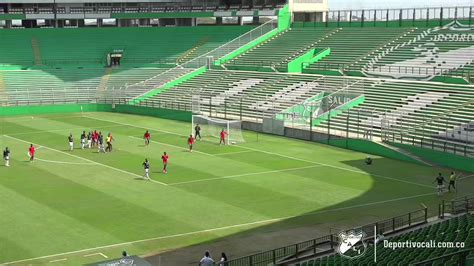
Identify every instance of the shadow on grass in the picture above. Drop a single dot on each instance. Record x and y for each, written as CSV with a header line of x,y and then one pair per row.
x,y
386,198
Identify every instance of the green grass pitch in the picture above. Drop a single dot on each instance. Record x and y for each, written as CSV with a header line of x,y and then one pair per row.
x,y
79,206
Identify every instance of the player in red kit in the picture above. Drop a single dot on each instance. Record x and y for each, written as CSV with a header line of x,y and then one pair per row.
x,y
31,152
165,158
190,143
223,135
147,136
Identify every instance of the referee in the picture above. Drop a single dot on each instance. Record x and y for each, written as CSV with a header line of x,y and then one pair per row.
x,y
452,181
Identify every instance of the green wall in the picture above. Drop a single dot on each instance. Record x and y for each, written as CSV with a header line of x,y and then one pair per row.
x,y
77,108
369,147
312,56
156,112
51,109
284,18
440,158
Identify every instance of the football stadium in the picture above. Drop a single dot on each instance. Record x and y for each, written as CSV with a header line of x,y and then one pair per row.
x,y
235,133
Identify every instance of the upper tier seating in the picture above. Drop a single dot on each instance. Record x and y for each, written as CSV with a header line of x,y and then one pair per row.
x,y
88,47
279,50
348,46
432,52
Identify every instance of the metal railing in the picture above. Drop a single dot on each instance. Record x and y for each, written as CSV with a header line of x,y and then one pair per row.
x,y
399,16
419,135
456,206
466,74
206,59
274,256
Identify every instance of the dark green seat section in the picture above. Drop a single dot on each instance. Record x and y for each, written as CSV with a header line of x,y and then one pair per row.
x,y
459,229
278,51
352,46
88,47
349,47
69,84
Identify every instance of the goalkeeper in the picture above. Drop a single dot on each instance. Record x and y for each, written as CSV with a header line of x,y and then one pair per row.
x,y
197,132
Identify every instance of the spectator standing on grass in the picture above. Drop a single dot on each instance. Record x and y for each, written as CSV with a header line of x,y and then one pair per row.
x,y
223,259
206,260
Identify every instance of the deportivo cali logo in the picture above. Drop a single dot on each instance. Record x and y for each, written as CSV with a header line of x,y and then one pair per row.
x,y
351,244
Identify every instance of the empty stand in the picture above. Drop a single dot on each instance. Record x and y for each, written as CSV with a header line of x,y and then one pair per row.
x,y
88,47
435,51
417,110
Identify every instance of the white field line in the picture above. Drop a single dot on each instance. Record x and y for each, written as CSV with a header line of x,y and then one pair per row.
x,y
464,177
218,228
341,168
241,175
29,118
174,146
58,260
61,130
281,155
230,153
95,254
87,160
61,162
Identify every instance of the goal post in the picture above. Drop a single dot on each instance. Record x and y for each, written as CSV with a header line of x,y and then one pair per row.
x,y
212,127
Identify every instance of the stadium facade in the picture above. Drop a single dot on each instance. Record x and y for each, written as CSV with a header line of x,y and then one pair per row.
x,y
126,13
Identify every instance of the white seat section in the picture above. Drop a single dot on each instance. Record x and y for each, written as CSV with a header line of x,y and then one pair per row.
x,y
433,60
412,104
235,88
287,95
463,132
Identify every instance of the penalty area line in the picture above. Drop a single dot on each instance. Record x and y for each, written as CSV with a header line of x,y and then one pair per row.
x,y
242,175
219,228
87,160
171,145
61,162
58,260
278,154
95,254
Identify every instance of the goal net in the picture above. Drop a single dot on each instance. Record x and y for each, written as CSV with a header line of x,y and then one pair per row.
x,y
211,128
